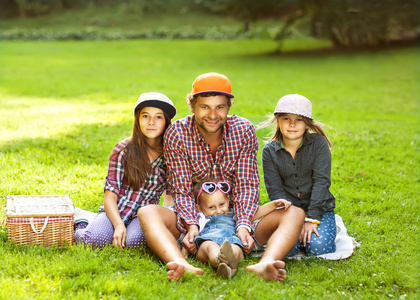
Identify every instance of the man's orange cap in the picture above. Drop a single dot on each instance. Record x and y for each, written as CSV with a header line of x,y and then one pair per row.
x,y
212,83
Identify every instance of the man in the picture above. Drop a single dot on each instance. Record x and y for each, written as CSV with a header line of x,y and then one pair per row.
x,y
212,143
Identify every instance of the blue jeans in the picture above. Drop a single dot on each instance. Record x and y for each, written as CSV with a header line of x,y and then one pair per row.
x,y
219,229
323,244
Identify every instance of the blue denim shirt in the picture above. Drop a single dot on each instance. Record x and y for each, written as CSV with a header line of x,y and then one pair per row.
x,y
304,180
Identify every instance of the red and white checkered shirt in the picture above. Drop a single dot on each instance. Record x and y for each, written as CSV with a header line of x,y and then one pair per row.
x,y
188,155
129,200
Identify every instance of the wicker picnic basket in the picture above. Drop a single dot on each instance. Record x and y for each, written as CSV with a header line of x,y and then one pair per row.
x,y
40,220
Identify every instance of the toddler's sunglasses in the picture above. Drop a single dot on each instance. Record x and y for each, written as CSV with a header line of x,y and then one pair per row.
x,y
210,187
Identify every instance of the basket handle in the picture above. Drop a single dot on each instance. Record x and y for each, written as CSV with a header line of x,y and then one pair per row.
x,y
31,221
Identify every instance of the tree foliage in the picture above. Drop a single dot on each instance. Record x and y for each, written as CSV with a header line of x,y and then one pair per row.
x,y
31,8
347,23
353,23
246,10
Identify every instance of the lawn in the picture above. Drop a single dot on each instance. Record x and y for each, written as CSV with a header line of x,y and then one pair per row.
x,y
64,105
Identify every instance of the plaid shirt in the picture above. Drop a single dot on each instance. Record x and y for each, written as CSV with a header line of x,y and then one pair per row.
x,y
187,156
129,200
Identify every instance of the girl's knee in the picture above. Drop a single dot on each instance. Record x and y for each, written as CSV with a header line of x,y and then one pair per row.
x,y
145,211
297,212
155,213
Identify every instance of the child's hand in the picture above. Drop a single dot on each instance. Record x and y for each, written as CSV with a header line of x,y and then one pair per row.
x,y
286,203
120,235
307,230
283,202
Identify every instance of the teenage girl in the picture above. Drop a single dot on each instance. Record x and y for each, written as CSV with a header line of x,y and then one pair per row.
x,y
136,177
297,167
217,241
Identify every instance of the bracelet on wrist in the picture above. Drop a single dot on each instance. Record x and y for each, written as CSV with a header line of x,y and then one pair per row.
x,y
313,221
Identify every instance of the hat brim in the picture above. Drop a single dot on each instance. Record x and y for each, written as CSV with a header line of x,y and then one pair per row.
x,y
219,92
167,108
292,112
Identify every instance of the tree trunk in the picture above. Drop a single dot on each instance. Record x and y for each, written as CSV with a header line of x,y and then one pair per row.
x,y
246,25
282,34
22,12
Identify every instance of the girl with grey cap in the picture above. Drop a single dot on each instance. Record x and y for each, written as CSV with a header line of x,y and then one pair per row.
x,y
136,177
297,167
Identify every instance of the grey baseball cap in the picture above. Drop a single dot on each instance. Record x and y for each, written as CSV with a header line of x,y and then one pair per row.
x,y
294,104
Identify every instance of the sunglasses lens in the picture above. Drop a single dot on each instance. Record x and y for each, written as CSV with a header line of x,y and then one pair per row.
x,y
209,187
224,186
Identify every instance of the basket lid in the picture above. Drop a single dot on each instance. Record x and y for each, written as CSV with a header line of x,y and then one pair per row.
x,y
38,206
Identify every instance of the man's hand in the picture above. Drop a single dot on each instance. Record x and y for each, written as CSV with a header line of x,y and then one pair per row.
x,y
305,234
188,240
120,234
246,239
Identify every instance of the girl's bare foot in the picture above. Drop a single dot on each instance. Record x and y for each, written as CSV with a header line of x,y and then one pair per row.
x,y
177,270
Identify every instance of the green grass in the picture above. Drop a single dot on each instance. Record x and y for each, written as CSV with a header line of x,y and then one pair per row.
x,y
64,105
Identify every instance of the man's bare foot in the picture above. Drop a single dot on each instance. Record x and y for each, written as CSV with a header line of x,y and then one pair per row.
x,y
270,271
177,270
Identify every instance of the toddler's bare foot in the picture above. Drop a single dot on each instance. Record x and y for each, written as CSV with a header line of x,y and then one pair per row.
x,y
227,256
270,271
223,270
177,270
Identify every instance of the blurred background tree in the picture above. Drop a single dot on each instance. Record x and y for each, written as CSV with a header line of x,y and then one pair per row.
x,y
352,23
247,11
346,23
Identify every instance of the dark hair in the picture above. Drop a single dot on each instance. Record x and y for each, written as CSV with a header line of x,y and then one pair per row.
x,y
198,183
136,161
314,126
191,99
